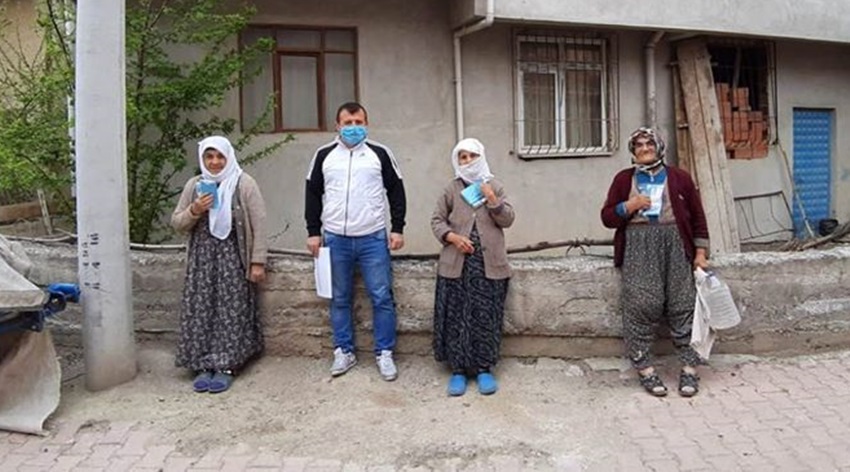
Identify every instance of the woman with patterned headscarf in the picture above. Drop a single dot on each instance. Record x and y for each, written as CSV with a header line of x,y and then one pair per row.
x,y
473,271
661,237
223,212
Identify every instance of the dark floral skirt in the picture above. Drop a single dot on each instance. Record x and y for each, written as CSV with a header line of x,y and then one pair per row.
x,y
468,316
219,324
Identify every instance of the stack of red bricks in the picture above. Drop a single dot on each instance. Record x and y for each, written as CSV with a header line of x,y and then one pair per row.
x,y
744,129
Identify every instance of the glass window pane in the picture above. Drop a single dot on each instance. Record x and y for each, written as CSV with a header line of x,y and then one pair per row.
x,y
300,100
339,40
538,93
256,93
583,109
339,84
299,39
565,107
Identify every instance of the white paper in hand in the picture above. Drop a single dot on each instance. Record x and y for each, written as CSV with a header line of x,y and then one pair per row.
x,y
322,269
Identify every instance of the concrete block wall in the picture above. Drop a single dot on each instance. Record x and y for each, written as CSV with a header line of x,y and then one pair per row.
x,y
564,307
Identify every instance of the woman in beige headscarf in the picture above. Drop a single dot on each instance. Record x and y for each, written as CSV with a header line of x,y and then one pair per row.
x,y
473,271
223,212
661,236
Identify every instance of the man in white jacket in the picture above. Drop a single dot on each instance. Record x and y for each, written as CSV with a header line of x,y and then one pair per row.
x,y
349,184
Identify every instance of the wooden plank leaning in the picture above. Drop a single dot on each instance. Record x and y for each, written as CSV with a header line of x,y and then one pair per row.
x,y
708,152
683,141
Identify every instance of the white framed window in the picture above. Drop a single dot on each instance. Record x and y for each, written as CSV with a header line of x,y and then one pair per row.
x,y
566,95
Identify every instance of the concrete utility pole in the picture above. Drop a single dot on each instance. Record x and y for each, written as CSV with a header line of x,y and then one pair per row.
x,y
102,214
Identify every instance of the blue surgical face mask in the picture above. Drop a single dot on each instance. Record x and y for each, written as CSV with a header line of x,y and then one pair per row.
x,y
352,135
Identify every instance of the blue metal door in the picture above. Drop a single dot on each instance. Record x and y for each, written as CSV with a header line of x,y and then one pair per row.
x,y
812,167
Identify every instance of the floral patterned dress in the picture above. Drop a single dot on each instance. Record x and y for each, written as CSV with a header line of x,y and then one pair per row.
x,y
468,316
219,324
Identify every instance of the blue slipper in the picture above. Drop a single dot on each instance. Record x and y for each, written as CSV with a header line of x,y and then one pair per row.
x,y
457,385
487,384
221,381
202,381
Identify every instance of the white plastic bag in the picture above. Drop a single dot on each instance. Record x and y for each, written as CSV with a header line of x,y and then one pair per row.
x,y
714,309
702,336
718,301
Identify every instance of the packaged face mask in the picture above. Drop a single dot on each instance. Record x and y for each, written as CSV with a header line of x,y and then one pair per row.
x,y
472,194
655,192
210,187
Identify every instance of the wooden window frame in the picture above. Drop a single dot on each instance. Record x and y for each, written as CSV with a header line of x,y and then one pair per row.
x,y
279,52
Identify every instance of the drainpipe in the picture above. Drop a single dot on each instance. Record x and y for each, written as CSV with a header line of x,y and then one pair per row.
x,y
486,22
649,59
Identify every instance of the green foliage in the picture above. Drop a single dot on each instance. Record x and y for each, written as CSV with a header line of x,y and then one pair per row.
x,y
35,148
165,96
182,62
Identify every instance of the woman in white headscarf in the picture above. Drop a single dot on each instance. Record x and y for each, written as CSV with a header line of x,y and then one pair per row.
x,y
224,215
473,270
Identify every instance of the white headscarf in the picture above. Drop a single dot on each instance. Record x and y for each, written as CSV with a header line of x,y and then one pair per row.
x,y
221,217
475,171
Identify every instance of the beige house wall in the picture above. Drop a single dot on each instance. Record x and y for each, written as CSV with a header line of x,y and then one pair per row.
x,y
406,82
563,196
405,77
825,20
817,75
18,31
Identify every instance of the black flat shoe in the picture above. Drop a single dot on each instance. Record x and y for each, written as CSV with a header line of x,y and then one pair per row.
x,y
688,384
652,383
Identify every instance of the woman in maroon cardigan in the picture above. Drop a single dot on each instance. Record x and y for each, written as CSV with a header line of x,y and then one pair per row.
x,y
661,236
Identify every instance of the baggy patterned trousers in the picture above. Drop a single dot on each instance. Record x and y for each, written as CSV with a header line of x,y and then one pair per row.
x,y
657,287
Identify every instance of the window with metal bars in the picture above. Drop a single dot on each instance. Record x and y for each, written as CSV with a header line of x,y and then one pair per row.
x,y
311,71
566,100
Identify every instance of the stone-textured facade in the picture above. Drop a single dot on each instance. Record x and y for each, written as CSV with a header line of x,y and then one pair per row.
x,y
566,307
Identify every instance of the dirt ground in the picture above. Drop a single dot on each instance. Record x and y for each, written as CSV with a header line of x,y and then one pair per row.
x,y
292,406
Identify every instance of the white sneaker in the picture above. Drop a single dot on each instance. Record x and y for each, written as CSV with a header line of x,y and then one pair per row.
x,y
386,365
343,362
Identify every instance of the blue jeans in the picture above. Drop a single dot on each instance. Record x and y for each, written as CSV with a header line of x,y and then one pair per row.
x,y
372,254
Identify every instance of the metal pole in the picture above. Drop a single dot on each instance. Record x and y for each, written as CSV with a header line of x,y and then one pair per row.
x,y
102,214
